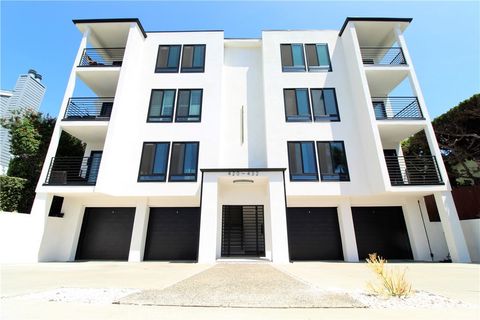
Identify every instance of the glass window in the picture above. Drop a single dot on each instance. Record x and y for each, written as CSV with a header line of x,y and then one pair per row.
x,y
333,161
168,58
318,57
184,161
302,162
292,57
153,166
297,105
324,102
161,105
193,59
189,105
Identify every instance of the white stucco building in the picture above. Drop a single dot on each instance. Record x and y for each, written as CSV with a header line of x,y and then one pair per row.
x,y
283,148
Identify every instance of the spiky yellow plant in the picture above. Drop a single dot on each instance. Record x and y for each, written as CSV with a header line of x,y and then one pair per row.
x,y
392,282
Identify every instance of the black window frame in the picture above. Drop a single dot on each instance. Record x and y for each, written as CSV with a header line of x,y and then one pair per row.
x,y
168,143
193,69
331,176
167,69
329,117
293,68
318,68
160,117
171,161
287,119
316,179
190,95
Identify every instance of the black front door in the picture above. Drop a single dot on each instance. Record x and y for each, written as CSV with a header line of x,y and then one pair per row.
x,y
243,231
393,166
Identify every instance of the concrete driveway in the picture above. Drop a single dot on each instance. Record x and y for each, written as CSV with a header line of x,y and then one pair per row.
x,y
456,281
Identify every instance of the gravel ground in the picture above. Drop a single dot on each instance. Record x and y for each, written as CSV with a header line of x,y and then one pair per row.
x,y
82,295
418,299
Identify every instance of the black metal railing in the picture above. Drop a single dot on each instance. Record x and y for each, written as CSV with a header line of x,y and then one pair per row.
x,y
86,108
73,170
399,108
382,56
413,170
102,57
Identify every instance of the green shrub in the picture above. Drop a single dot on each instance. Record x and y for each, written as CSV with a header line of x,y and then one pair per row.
x,y
11,193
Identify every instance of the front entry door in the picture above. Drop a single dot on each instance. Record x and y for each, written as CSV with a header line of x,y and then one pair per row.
x,y
243,231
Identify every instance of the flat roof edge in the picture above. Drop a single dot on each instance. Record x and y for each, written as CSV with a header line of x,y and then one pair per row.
x,y
379,19
114,20
241,169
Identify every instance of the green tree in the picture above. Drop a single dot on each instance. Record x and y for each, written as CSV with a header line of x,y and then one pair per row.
x,y
30,137
458,135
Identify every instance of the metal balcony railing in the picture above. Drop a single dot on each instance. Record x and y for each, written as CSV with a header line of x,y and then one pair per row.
x,y
382,56
102,57
73,170
87,109
397,108
413,170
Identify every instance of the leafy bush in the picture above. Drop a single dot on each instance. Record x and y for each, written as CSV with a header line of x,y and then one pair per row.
x,y
11,193
392,282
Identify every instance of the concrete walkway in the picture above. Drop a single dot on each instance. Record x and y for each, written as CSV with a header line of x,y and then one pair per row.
x,y
457,281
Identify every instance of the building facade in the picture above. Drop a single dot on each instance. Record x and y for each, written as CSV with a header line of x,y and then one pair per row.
x,y
283,148
27,95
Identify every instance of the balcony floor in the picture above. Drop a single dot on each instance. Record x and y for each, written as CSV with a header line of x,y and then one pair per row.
x,y
90,132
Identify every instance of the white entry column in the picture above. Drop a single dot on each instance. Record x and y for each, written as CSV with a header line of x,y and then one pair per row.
x,y
347,231
139,233
452,227
207,249
278,218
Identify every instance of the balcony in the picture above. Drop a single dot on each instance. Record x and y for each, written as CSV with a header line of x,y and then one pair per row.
x,y
383,56
73,171
413,170
397,108
102,57
89,109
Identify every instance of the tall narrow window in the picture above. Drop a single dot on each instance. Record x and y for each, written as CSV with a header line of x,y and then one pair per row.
x,y
301,158
333,161
189,105
292,57
168,58
297,106
153,166
193,59
184,161
161,105
324,103
318,57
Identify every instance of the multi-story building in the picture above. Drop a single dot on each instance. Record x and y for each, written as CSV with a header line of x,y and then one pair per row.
x,y
283,148
27,95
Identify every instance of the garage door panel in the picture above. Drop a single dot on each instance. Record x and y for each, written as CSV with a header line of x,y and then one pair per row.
x,y
314,234
381,230
106,234
172,234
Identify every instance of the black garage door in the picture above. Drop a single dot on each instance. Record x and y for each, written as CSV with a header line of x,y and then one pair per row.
x,y
106,234
314,234
381,230
172,234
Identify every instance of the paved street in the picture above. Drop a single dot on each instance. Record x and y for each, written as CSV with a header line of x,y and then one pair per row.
x,y
455,281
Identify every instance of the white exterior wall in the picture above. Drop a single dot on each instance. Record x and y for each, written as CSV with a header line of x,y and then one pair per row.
x,y
239,75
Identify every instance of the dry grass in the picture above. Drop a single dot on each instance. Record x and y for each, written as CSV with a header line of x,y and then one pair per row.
x,y
391,282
